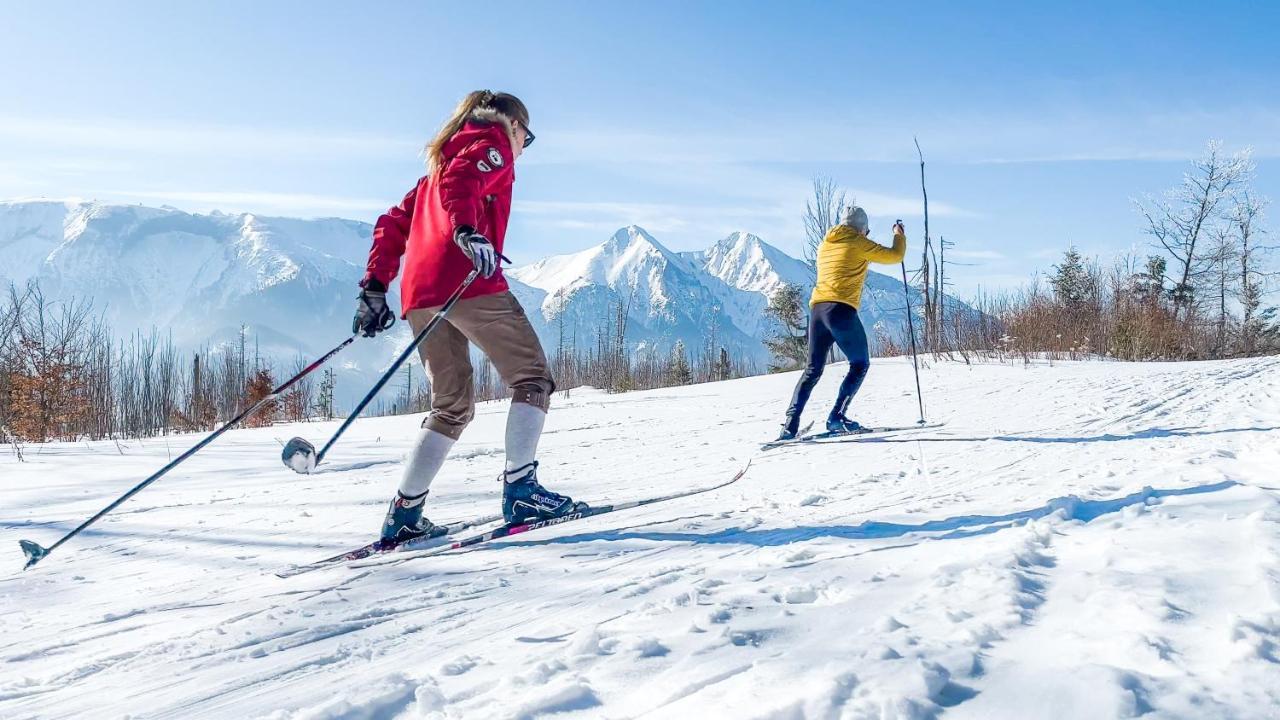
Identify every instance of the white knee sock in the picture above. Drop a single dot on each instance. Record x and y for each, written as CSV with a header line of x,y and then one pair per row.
x,y
524,428
425,460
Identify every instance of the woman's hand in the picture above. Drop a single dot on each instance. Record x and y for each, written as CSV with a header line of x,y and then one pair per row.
x,y
898,229
478,248
372,314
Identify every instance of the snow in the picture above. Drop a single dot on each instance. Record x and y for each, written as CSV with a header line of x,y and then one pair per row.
x,y
1080,540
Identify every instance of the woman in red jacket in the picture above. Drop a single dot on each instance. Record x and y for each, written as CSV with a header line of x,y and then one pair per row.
x,y
455,220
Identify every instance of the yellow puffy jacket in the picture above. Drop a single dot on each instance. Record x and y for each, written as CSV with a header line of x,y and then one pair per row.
x,y
842,264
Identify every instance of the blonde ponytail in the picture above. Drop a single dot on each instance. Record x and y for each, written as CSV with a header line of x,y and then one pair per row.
x,y
503,103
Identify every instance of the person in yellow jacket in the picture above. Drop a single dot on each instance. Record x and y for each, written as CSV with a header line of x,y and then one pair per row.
x,y
843,258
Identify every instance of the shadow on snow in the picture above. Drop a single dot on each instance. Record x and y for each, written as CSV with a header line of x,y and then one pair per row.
x,y
1152,434
1074,508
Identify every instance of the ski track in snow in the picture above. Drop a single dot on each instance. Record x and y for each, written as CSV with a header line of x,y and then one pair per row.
x,y
1081,540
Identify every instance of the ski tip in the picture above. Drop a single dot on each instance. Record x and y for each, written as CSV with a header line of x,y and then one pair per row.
x,y
34,552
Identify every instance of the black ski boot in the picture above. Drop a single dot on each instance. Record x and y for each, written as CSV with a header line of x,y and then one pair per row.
x,y
404,520
790,429
525,500
841,424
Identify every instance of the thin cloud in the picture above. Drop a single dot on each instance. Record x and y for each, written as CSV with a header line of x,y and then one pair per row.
x,y
302,204
1042,134
897,205
192,139
976,254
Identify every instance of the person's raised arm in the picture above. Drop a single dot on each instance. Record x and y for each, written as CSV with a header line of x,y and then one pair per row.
x,y
877,253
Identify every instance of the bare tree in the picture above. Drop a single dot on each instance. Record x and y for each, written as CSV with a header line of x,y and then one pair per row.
x,y
927,263
297,401
822,212
1181,220
1222,256
1245,218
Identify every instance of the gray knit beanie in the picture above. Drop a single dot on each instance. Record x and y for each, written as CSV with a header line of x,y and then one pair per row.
x,y
856,218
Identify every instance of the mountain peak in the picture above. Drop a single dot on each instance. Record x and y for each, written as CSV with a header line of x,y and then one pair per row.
x,y
625,237
739,239
746,262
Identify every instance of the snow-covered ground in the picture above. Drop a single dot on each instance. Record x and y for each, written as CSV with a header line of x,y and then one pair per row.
x,y
1089,540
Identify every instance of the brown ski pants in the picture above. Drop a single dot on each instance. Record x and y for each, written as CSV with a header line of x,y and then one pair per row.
x,y
499,327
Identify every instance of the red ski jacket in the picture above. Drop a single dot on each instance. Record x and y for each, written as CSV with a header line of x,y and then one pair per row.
x,y
472,187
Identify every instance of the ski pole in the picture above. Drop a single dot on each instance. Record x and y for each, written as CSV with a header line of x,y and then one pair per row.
x,y
911,330
35,553
300,455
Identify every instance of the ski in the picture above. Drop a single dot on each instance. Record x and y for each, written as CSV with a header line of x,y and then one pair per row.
x,y
412,549
378,547
818,437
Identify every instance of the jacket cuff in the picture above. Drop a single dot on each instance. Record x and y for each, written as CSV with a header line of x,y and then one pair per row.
x,y
373,284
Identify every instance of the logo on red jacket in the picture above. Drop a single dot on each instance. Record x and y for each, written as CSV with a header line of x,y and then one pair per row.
x,y
495,157
484,166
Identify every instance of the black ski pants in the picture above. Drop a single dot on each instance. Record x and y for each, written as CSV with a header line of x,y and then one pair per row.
x,y
832,323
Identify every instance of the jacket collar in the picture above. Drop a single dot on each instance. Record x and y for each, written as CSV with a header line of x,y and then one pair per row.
x,y
489,116
483,123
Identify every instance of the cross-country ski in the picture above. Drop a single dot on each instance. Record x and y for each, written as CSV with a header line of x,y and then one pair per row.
x,y
436,540
536,361
438,535
805,436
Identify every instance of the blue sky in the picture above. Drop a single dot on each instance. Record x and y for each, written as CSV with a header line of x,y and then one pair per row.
x,y
1039,122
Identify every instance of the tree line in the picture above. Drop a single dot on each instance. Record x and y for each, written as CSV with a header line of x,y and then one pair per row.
x,y
64,375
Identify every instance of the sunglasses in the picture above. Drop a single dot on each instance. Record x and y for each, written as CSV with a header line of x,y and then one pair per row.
x,y
528,135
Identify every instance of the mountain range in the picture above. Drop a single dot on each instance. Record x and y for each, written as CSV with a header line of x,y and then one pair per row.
x,y
291,282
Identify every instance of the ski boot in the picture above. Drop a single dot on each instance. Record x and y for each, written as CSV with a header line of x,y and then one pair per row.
x,y
404,520
790,429
525,500
841,424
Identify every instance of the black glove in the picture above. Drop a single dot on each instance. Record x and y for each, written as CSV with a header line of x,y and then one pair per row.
x,y
372,314
478,248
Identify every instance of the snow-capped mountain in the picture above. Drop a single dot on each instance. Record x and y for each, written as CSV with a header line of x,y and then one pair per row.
x,y
753,271
681,296
291,282
668,296
201,277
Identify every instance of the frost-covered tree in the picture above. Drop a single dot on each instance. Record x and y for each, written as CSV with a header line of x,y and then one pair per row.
x,y
788,341
324,395
678,370
1149,284
1181,220
1245,218
1073,285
